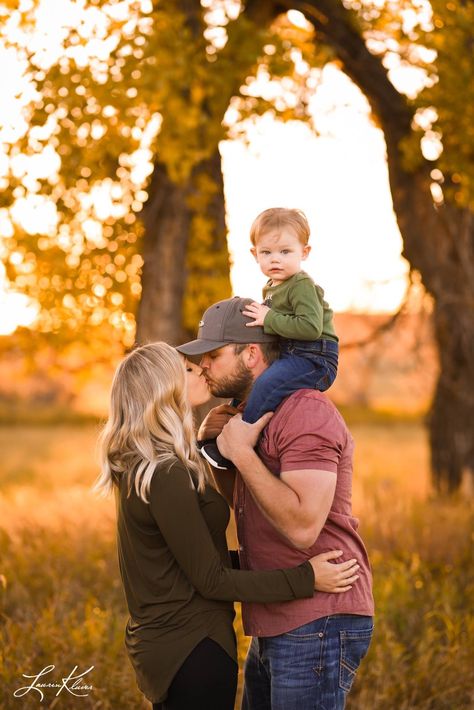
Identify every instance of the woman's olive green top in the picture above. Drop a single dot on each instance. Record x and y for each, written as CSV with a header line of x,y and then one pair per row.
x,y
176,573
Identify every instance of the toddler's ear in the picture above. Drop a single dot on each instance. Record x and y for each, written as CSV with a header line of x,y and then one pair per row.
x,y
306,251
253,251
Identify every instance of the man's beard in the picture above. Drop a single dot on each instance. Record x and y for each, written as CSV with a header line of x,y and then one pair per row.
x,y
237,385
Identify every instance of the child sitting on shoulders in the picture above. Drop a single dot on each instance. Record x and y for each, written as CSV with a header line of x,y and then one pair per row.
x,y
294,309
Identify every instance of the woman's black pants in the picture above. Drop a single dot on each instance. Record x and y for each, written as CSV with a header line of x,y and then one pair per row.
x,y
207,680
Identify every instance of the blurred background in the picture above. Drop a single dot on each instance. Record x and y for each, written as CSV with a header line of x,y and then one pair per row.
x,y
138,141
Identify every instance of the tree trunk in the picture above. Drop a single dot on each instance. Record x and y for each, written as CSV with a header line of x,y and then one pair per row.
x,y
438,242
186,260
166,222
169,221
452,413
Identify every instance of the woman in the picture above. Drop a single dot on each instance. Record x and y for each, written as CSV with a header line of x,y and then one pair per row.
x,y
173,558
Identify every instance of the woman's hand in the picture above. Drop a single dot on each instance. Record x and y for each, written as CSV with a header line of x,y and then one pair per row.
x,y
330,577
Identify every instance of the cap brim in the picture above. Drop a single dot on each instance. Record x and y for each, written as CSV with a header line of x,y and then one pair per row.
x,y
200,347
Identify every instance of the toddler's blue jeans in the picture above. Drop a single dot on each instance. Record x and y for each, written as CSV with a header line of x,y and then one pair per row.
x,y
302,364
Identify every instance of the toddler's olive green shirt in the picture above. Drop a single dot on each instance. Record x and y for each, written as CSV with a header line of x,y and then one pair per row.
x,y
176,574
298,310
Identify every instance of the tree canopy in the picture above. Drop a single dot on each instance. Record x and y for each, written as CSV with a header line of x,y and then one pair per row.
x,y
133,81
129,83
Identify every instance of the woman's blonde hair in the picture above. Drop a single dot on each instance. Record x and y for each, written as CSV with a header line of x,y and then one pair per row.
x,y
150,421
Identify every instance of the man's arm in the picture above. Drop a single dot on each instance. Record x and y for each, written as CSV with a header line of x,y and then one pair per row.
x,y
298,503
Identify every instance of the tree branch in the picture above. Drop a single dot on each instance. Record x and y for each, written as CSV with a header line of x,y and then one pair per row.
x,y
384,327
337,26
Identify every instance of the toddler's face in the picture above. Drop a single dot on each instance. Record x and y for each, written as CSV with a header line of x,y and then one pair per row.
x,y
279,254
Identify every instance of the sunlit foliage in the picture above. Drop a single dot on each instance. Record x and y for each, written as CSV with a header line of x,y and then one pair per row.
x,y
108,89
452,97
430,43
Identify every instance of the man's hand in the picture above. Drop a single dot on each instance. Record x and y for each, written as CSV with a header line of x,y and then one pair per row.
x,y
215,421
238,435
257,311
330,577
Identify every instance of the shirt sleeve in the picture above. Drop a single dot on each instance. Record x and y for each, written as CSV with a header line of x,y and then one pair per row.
x,y
306,320
175,508
316,443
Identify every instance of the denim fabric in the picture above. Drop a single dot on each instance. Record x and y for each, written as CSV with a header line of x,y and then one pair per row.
x,y
302,364
309,668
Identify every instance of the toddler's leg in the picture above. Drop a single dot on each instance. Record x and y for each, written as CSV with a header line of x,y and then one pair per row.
x,y
285,376
326,371
324,355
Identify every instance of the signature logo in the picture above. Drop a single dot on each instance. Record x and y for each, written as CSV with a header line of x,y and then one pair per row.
x,y
72,684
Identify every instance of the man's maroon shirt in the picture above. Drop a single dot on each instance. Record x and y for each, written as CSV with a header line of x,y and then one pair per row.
x,y
306,432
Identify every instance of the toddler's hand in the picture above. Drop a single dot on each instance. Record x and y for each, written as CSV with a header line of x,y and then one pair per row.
x,y
257,311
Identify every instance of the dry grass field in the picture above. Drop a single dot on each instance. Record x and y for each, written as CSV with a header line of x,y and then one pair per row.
x,y
61,602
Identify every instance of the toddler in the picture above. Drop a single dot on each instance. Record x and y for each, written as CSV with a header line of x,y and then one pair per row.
x,y
294,309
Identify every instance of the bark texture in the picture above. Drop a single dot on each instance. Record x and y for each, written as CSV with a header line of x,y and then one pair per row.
x,y
168,218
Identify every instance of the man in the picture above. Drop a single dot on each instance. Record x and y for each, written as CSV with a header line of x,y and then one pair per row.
x,y
291,499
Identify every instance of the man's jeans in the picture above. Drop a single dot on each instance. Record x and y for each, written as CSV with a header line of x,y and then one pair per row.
x,y
309,668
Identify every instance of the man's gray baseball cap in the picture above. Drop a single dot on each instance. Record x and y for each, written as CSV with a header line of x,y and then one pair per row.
x,y
224,323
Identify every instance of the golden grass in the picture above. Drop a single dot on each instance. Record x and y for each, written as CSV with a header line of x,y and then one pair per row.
x,y
61,600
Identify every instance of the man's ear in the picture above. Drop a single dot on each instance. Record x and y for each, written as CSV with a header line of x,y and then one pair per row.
x,y
254,356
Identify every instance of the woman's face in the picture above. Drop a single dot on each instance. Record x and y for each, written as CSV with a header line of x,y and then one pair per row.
x,y
198,391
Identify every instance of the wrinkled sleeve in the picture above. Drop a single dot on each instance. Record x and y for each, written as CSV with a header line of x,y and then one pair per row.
x,y
306,320
316,443
175,508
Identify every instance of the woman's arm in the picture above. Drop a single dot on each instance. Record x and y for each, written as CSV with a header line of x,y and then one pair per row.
x,y
175,508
